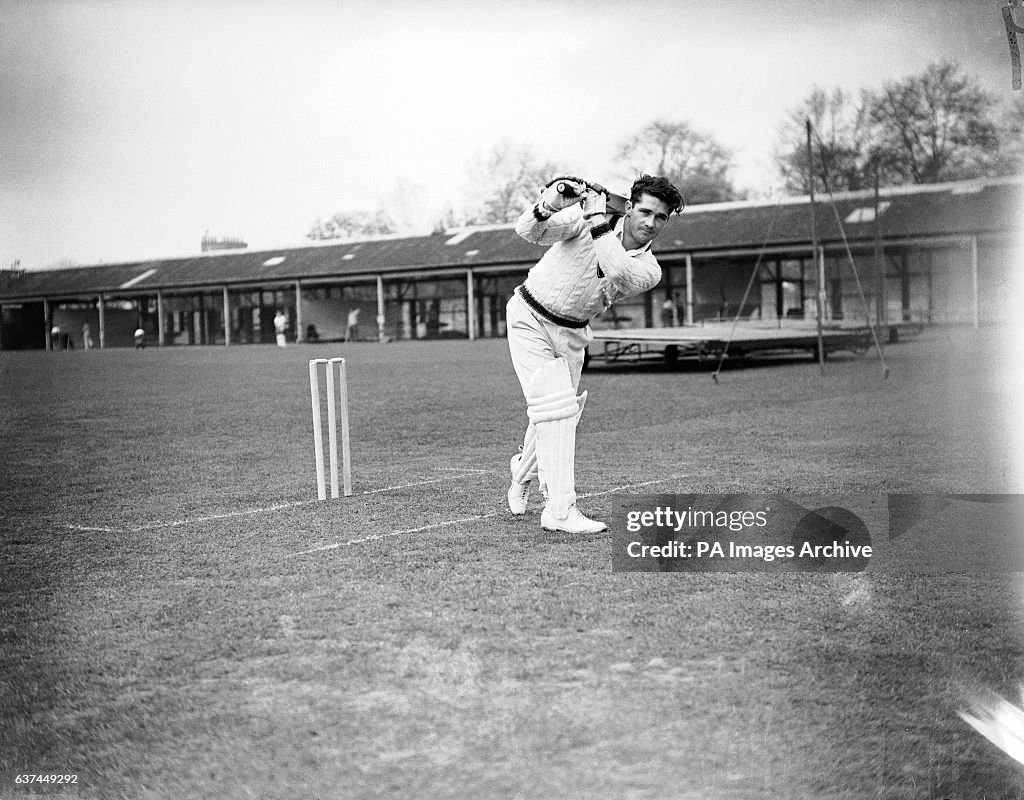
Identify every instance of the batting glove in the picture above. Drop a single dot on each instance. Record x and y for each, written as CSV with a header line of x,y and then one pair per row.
x,y
562,193
594,204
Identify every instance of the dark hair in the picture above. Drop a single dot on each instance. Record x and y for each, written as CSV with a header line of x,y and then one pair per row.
x,y
658,187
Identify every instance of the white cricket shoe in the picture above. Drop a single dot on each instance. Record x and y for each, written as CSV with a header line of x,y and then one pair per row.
x,y
518,493
574,522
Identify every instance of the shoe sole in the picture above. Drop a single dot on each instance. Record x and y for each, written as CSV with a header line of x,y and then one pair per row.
x,y
566,530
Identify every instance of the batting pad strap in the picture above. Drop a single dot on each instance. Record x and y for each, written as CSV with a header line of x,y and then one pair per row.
x,y
558,394
547,402
563,410
581,401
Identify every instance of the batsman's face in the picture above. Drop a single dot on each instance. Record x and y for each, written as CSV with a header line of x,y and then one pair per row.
x,y
645,219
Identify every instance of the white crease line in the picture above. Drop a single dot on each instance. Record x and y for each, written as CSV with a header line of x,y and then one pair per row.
x,y
470,473
377,536
226,515
447,523
630,486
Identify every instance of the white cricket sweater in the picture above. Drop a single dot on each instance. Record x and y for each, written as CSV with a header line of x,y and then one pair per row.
x,y
566,280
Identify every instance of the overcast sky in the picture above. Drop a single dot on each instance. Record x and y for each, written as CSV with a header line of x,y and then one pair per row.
x,y
128,129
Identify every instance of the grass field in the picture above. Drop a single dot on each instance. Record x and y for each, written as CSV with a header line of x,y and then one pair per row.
x,y
179,618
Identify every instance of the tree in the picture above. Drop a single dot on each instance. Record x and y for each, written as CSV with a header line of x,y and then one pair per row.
x,y
412,209
840,142
448,220
62,263
505,182
1011,137
936,126
694,161
408,209
348,224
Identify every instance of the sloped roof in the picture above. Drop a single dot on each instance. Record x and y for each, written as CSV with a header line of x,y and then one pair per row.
x,y
905,212
963,208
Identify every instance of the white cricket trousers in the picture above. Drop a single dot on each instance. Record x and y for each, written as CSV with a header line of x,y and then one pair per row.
x,y
533,340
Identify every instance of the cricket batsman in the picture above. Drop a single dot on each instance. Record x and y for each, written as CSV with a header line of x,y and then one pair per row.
x,y
594,259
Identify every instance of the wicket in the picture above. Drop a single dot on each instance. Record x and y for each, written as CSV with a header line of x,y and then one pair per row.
x,y
333,404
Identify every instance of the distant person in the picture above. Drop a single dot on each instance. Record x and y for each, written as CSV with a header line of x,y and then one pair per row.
x,y
55,337
140,338
280,327
668,313
86,336
352,331
433,320
312,334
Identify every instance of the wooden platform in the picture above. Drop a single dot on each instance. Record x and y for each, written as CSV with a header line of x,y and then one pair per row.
x,y
712,339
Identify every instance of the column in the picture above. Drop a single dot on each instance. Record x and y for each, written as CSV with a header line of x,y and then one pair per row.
x,y
160,318
824,311
300,330
470,306
974,281
227,317
103,321
689,289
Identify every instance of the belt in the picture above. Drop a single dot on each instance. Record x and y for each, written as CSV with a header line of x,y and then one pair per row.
x,y
551,316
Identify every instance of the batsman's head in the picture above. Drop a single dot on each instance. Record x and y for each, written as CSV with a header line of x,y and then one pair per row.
x,y
651,202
